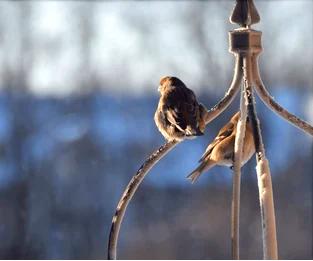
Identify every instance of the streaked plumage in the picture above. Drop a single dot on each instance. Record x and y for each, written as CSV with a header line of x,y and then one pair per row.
x,y
221,150
178,115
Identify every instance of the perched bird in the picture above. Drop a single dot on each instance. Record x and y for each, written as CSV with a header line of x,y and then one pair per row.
x,y
178,115
221,150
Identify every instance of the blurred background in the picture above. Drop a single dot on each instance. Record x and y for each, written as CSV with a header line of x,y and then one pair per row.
x,y
78,91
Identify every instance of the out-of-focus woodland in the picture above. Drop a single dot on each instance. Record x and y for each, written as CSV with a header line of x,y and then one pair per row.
x,y
78,90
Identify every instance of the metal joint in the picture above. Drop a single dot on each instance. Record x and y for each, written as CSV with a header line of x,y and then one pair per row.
x,y
245,40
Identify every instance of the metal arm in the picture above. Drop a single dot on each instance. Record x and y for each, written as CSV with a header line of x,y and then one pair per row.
x,y
238,150
229,95
263,174
130,191
274,106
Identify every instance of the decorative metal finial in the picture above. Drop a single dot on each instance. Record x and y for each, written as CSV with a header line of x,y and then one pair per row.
x,y
244,13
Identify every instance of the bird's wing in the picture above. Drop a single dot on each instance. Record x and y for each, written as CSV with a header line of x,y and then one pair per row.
x,y
181,108
175,117
225,132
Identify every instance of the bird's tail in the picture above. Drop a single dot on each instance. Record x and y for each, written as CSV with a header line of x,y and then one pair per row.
x,y
204,166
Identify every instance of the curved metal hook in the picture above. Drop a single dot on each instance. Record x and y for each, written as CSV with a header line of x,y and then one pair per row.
x,y
274,106
130,191
230,94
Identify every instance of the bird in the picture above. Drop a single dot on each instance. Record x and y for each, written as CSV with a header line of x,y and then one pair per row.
x,y
221,150
179,115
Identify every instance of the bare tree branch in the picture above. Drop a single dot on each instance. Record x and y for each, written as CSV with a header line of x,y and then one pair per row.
x,y
130,191
274,106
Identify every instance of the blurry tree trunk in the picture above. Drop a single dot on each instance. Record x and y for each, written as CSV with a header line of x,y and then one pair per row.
x,y
85,20
26,52
18,81
199,35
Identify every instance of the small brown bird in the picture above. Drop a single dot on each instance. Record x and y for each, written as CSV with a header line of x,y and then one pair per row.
x,y
179,115
221,150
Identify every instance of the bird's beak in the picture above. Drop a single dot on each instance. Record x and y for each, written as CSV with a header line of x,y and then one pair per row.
x,y
159,88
